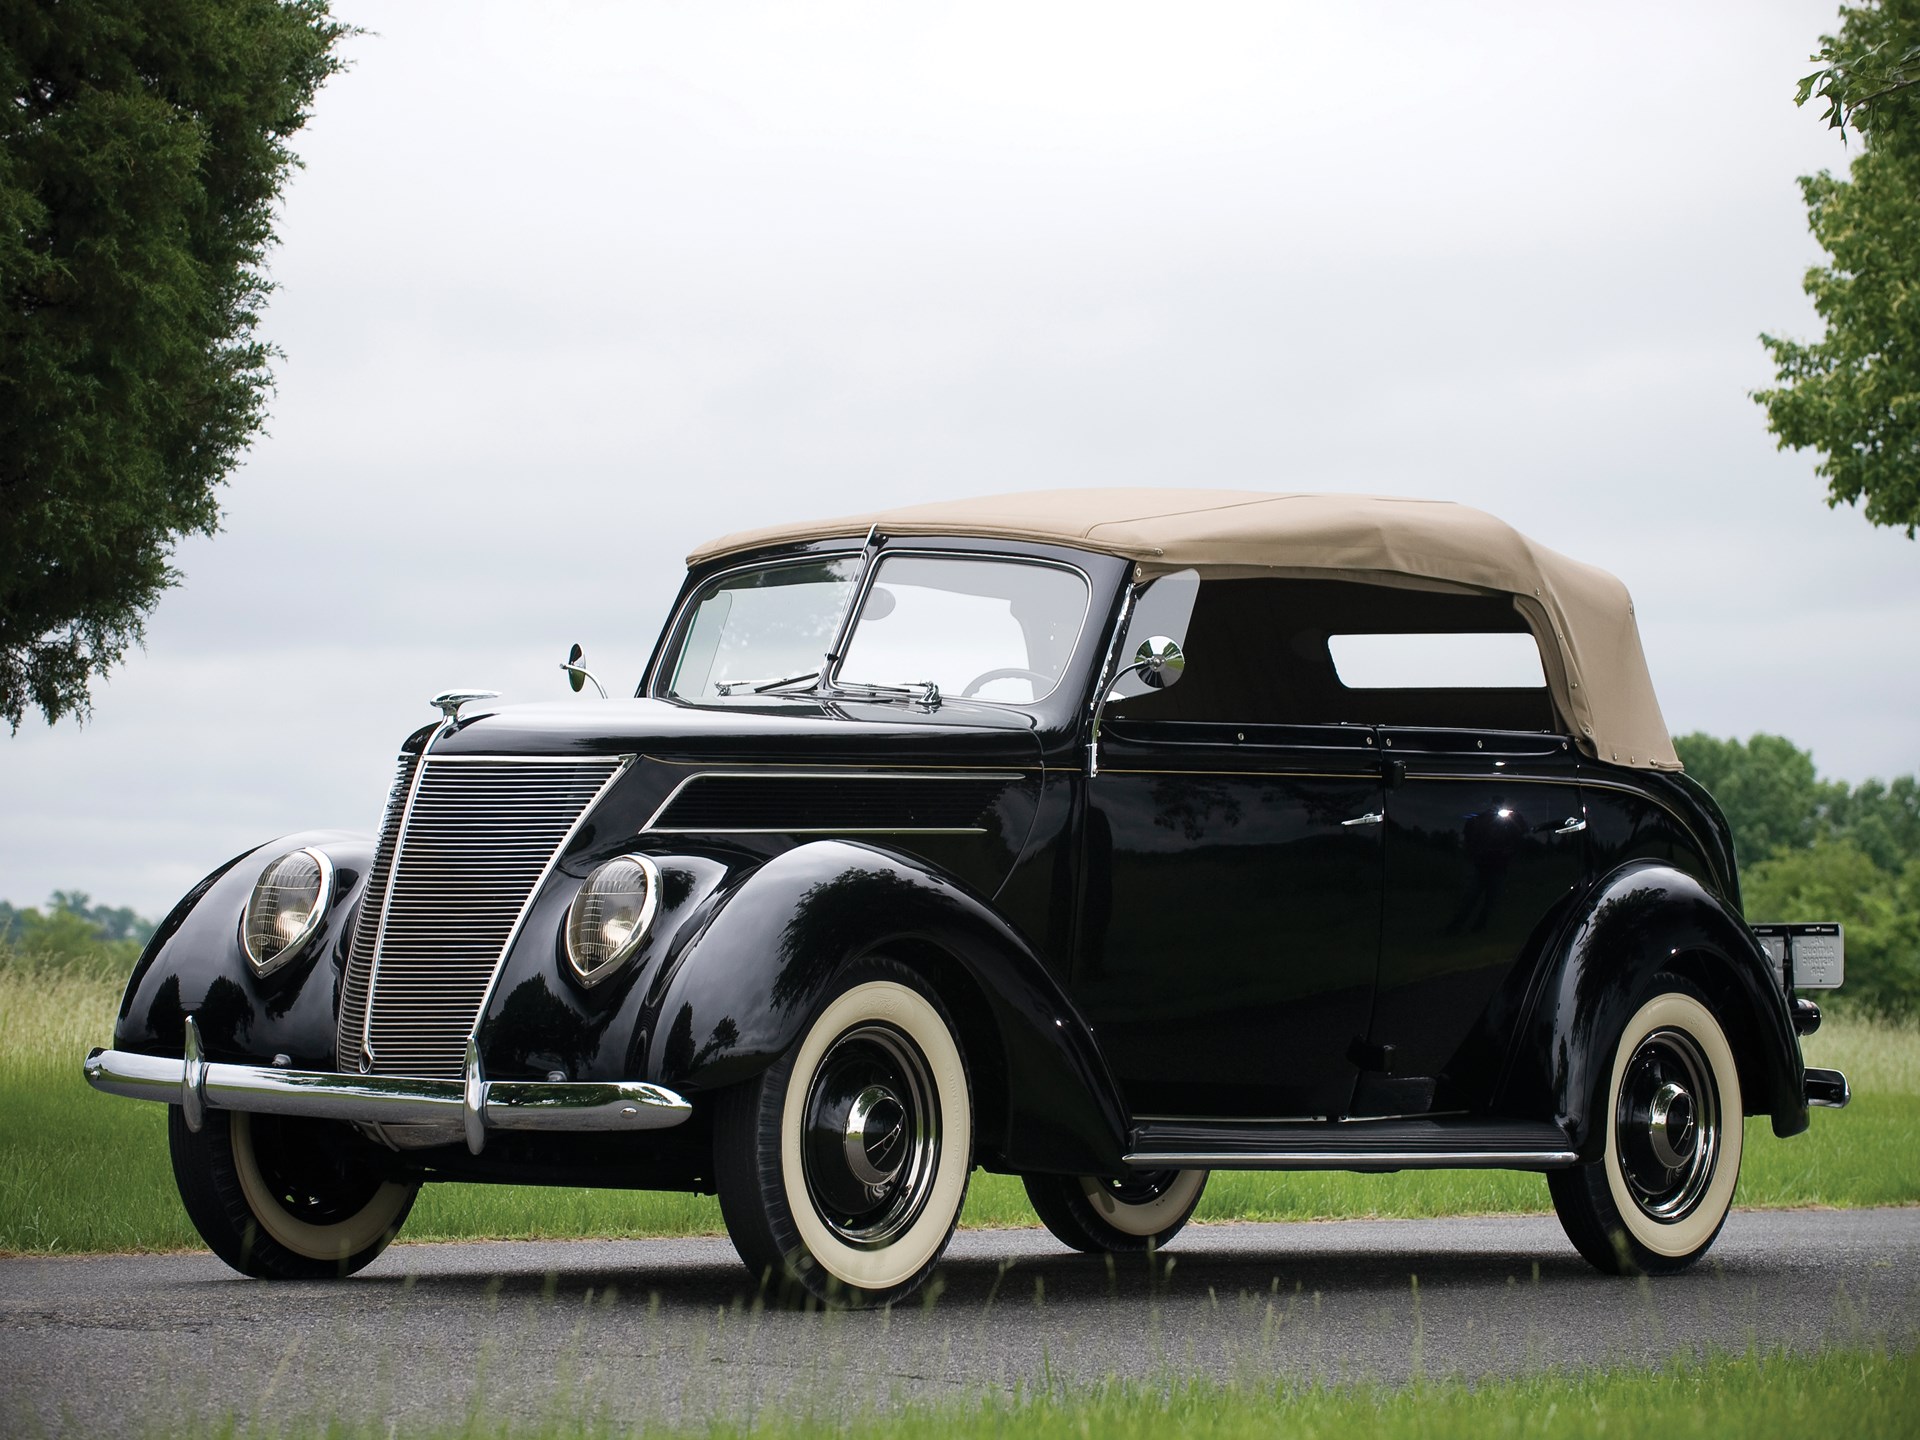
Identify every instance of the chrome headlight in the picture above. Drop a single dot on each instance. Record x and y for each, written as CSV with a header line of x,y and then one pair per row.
x,y
610,917
288,902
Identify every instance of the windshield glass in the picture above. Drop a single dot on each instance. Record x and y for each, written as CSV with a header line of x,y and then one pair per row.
x,y
983,629
757,628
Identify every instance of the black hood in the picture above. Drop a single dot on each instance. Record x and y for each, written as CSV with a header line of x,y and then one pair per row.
x,y
799,729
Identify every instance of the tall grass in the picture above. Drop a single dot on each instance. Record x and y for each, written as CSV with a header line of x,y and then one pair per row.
x,y
1860,1394
81,1171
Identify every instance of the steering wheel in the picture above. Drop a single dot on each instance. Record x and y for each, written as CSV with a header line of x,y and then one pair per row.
x,y
1005,672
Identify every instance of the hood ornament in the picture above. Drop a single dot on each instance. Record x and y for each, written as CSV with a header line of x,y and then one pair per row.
x,y
448,702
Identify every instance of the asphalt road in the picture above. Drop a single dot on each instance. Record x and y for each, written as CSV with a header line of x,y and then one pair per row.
x,y
668,1329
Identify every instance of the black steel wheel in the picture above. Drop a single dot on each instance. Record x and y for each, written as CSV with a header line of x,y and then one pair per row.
x,y
842,1169
286,1199
1656,1200
1116,1217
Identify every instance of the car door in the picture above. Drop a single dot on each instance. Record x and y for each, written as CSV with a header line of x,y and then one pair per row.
x,y
1484,839
1230,882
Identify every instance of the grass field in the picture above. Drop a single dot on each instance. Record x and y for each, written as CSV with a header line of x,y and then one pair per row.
x,y
1863,1395
80,1171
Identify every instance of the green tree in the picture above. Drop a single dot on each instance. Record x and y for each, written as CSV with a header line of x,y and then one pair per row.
x,y
1882,819
71,934
1837,880
142,147
1854,395
1767,788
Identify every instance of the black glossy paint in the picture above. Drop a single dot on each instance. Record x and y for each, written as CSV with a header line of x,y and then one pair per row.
x,y
1482,859
1193,932
194,965
1644,919
1231,917
772,956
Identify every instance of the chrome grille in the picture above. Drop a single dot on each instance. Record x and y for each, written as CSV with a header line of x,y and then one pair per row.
x,y
477,838
353,986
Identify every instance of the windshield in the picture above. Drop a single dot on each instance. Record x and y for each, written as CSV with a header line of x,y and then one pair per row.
x,y
999,630
759,628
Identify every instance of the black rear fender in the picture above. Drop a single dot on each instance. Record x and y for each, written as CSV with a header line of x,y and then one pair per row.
x,y
1642,920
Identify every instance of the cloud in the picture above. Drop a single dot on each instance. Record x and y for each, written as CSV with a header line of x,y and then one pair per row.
x,y
565,292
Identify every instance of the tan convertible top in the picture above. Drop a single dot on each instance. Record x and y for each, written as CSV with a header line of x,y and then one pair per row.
x,y
1582,616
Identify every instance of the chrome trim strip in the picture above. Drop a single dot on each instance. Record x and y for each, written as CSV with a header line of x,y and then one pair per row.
x,y
654,826
816,830
1348,1160
392,1099
366,1058
1106,679
486,758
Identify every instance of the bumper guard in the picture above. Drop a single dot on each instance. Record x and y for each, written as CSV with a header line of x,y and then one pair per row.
x,y
1828,1088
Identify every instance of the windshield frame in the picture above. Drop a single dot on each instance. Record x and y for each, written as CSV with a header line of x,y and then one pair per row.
x,y
658,680
829,682
1107,577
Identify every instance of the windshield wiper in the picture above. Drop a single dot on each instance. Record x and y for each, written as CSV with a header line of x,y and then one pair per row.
x,y
921,692
762,687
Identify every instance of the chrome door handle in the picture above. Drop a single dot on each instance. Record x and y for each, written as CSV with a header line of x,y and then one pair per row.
x,y
1372,817
1573,826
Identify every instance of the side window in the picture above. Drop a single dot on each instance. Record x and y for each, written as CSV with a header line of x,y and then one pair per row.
x,y
1165,607
1326,652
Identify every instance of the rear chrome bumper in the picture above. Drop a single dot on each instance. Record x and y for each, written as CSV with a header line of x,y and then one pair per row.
x,y
473,1104
1829,1088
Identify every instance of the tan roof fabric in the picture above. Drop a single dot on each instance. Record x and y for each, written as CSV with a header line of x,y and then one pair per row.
x,y
1582,615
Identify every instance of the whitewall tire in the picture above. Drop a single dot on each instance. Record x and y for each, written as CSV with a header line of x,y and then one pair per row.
x,y
1660,1193
843,1168
280,1198
1141,1212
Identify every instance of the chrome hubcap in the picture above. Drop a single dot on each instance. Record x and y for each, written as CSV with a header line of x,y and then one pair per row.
x,y
1667,1125
872,1141
876,1136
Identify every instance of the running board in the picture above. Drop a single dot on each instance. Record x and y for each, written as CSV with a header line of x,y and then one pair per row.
x,y
1448,1142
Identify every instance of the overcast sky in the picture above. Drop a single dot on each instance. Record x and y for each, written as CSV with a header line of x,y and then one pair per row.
x,y
567,289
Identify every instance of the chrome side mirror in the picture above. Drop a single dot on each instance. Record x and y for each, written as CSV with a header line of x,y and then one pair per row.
x,y
1159,662
578,675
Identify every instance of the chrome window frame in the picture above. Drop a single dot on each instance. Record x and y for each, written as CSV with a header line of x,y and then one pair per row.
x,y
655,685
831,679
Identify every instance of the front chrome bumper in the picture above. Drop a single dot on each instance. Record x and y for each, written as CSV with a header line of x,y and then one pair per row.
x,y
473,1104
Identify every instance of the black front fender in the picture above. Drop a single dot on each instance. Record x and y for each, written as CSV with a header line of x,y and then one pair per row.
x,y
1641,920
194,965
749,984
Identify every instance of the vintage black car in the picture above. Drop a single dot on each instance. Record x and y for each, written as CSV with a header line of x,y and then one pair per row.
x,y
1105,838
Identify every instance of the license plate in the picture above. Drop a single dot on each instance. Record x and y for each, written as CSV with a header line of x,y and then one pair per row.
x,y
1806,956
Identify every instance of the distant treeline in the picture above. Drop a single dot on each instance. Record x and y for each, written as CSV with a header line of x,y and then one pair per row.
x,y
76,933
1809,849
1813,849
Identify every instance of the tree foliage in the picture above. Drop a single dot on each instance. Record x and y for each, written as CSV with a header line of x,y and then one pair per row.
x,y
1813,849
74,934
1854,395
1837,880
142,147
